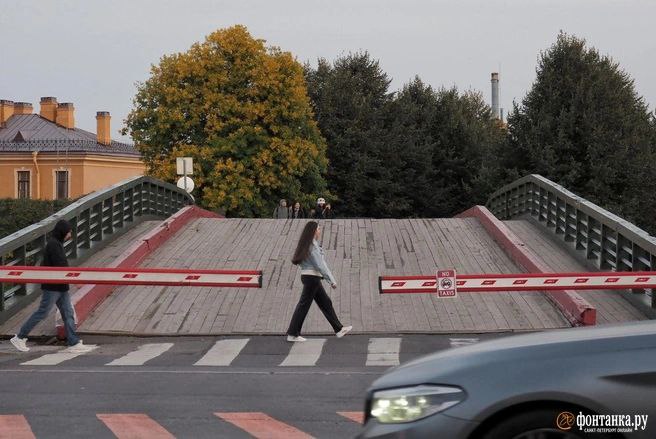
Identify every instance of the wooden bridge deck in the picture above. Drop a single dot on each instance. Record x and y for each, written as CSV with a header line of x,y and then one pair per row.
x,y
611,306
358,251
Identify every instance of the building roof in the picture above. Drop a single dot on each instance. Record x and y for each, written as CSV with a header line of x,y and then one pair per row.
x,y
31,132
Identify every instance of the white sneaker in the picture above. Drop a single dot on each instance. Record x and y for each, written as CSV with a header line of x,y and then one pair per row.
x,y
295,339
342,332
20,343
81,347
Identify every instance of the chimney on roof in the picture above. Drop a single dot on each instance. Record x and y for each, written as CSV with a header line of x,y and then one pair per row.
x,y
495,95
103,131
66,115
49,108
22,108
6,111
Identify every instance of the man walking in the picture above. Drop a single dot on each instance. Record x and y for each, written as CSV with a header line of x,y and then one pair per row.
x,y
54,256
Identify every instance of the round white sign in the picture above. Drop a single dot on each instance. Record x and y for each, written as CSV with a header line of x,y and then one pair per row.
x,y
190,183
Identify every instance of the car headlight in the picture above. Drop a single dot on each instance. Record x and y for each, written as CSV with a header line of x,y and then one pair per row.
x,y
411,403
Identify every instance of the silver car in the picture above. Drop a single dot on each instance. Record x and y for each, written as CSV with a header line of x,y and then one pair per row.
x,y
597,382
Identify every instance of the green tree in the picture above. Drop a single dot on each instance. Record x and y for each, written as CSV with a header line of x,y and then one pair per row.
x,y
349,96
443,141
418,152
16,214
583,125
241,109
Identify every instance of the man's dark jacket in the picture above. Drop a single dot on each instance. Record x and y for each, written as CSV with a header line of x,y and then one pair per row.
x,y
54,254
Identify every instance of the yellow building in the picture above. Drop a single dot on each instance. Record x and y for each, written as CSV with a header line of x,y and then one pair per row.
x,y
43,156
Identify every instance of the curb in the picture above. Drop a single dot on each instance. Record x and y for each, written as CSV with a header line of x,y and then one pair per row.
x,y
87,298
574,307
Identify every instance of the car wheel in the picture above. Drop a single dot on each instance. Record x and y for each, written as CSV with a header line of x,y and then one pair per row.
x,y
538,424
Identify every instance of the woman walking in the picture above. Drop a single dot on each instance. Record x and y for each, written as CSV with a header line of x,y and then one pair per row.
x,y
310,256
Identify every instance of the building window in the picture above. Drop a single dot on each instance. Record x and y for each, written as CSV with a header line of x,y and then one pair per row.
x,y
23,184
61,178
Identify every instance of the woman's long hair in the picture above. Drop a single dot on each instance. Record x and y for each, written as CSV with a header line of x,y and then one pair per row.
x,y
304,242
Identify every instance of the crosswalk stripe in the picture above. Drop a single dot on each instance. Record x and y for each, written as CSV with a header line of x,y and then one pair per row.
x,y
15,427
56,358
262,426
456,342
223,352
383,351
305,353
144,353
353,416
134,425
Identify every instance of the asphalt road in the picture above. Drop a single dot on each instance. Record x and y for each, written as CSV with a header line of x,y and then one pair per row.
x,y
64,399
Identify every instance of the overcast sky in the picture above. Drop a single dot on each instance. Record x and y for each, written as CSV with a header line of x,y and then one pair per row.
x,y
91,52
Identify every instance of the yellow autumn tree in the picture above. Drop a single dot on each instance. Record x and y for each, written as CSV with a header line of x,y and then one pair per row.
x,y
242,111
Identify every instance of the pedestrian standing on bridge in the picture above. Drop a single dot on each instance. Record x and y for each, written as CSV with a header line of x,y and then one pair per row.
x,y
297,211
54,255
309,255
282,210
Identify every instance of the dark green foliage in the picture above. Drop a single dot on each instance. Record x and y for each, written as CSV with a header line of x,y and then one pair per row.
x,y
17,214
348,99
418,152
584,126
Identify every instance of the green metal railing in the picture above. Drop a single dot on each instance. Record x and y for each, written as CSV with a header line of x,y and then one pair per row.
x,y
96,219
601,239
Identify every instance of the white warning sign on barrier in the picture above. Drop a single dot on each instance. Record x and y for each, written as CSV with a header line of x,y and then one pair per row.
x,y
446,284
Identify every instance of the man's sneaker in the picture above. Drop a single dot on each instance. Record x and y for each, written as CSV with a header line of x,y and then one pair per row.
x,y
20,343
295,338
345,330
81,347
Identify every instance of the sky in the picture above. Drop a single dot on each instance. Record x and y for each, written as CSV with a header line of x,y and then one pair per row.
x,y
93,52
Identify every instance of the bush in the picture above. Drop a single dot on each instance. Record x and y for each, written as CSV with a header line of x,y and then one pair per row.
x,y
17,214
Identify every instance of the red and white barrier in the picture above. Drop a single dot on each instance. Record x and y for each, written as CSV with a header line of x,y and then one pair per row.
x,y
138,276
482,283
